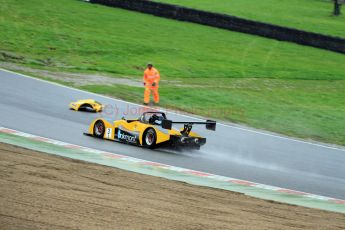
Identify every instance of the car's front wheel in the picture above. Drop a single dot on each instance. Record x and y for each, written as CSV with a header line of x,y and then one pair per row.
x,y
99,129
149,138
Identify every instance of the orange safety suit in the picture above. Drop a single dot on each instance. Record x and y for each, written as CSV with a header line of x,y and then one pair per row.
x,y
151,79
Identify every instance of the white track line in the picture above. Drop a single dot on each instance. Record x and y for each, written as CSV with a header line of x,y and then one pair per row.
x,y
183,115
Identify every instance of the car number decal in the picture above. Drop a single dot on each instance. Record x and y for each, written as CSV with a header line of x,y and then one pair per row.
x,y
108,133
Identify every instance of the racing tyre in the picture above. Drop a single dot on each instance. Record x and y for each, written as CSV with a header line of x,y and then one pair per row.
x,y
149,138
99,129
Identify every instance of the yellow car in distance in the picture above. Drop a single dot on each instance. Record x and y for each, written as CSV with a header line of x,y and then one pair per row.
x,y
151,130
88,105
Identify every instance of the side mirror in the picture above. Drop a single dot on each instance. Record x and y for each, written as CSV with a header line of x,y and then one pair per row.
x,y
166,124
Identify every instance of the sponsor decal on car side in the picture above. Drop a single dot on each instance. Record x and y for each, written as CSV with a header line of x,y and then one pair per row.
x,y
126,136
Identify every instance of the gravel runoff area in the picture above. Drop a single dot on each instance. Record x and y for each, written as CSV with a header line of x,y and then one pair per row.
x,y
41,191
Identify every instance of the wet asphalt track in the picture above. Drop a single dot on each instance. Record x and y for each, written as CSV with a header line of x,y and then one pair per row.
x,y
41,108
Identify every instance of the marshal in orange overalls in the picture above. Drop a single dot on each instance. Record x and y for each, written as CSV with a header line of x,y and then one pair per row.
x,y
151,80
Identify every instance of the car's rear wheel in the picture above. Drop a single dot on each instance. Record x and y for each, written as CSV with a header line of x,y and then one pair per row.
x,y
99,129
150,138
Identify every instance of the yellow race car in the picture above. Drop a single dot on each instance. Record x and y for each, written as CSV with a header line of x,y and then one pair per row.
x,y
151,130
88,105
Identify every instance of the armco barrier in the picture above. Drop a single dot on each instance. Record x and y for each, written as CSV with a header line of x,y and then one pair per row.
x,y
230,23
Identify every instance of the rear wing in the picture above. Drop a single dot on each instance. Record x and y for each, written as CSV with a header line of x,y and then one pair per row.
x,y
210,125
